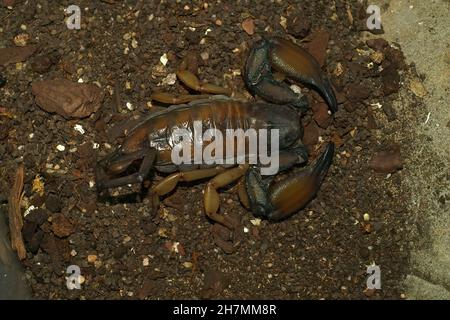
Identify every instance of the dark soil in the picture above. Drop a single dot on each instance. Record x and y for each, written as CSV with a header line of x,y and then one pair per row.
x,y
126,251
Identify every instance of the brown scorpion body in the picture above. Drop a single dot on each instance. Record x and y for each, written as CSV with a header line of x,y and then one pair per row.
x,y
152,141
215,113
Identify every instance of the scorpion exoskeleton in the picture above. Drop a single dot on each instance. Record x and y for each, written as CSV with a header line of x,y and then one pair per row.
x,y
151,141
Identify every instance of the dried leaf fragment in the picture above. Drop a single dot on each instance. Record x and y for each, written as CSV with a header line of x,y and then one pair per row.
x,y
38,185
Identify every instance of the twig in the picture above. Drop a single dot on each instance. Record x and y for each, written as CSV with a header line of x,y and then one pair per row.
x,y
15,214
117,100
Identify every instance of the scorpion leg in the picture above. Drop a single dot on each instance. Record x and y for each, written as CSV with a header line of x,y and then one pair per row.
x,y
211,196
121,163
191,81
169,183
242,193
168,98
289,195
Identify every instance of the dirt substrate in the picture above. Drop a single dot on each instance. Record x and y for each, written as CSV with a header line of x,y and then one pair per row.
x,y
126,251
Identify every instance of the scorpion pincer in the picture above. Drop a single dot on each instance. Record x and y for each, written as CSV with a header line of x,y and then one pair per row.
x,y
151,141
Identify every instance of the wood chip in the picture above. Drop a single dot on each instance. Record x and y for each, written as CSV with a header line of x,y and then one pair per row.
x,y
15,214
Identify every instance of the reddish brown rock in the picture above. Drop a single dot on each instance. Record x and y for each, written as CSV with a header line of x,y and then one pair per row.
x,y
356,92
16,54
215,282
378,44
57,249
298,24
61,226
391,82
248,26
42,64
8,3
67,98
371,122
311,134
321,115
318,45
147,289
388,161
337,140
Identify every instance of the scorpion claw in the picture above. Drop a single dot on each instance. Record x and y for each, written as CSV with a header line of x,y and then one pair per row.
x,y
326,91
261,81
291,60
289,195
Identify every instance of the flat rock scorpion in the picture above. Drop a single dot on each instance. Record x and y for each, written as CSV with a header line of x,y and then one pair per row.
x,y
151,142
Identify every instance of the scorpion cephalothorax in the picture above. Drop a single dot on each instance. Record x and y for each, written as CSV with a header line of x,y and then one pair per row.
x,y
150,140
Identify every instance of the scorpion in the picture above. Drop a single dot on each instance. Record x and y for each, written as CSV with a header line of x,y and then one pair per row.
x,y
150,142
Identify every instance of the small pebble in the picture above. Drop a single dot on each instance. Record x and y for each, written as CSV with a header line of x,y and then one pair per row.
x,y
21,40
204,55
164,59
79,128
30,208
60,147
129,106
170,80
